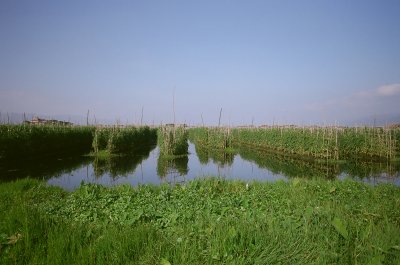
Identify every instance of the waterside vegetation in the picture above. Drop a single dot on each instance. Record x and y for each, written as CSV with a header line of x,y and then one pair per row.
x,y
332,143
27,140
173,141
326,143
208,221
116,140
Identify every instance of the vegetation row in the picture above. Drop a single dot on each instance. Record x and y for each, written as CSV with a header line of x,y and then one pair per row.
x,y
324,142
333,143
26,140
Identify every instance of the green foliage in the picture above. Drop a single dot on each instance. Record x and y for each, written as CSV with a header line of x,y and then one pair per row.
x,y
339,226
173,141
38,140
124,140
211,138
209,221
100,139
322,142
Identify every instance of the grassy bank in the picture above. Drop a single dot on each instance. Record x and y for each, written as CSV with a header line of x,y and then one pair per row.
x,y
209,221
26,140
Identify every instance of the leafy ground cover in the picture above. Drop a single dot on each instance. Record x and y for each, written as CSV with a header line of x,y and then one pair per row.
x,y
207,221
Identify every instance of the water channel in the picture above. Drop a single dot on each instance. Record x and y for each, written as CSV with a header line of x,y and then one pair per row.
x,y
147,168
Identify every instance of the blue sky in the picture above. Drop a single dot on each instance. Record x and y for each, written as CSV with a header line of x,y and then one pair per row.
x,y
266,61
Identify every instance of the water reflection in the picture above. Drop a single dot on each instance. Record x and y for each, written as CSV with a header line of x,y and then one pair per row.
x,y
206,155
289,166
152,167
177,165
41,167
172,170
120,166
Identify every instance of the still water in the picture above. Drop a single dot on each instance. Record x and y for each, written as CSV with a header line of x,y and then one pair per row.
x,y
148,167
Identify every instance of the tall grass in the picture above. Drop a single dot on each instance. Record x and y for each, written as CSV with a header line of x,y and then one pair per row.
x,y
124,140
39,140
173,141
323,142
213,144
211,138
209,221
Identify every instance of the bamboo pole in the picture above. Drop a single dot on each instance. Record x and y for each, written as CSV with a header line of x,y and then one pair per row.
x,y
219,120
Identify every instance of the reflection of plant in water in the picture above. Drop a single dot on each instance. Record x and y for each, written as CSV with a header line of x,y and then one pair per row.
x,y
289,166
119,165
214,144
363,169
202,154
175,166
219,156
222,158
41,167
296,167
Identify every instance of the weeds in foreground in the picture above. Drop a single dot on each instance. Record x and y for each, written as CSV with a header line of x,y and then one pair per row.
x,y
210,221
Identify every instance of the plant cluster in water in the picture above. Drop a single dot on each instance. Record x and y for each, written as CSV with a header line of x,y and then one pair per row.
x,y
173,141
116,140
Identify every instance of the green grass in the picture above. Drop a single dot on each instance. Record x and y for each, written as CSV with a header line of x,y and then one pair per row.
x,y
18,141
210,221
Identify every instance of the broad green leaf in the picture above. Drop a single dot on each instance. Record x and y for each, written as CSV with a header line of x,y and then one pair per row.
x,y
164,262
308,212
340,227
295,182
377,260
395,247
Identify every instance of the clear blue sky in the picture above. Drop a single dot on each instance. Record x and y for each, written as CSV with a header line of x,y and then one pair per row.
x,y
272,61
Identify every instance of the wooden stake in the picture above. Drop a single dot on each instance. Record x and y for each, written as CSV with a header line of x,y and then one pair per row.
x,y
219,120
